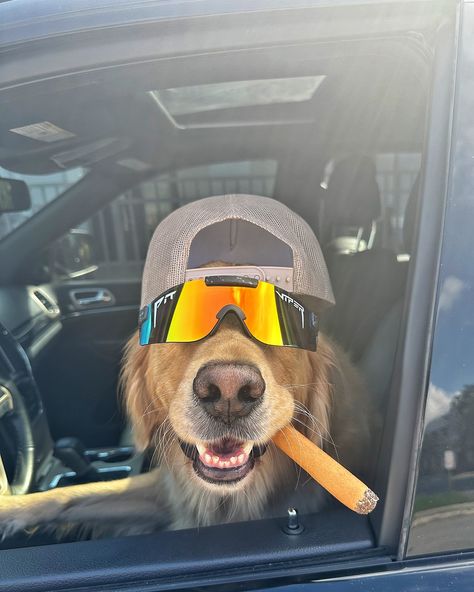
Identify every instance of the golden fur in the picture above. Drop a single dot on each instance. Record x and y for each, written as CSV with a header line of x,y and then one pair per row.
x,y
320,392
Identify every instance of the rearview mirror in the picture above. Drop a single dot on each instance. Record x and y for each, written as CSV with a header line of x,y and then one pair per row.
x,y
14,196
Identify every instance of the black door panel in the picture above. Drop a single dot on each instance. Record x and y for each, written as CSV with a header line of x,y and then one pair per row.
x,y
83,399
91,294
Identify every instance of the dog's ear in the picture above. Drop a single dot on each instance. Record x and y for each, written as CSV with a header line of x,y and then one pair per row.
x,y
137,393
317,397
343,403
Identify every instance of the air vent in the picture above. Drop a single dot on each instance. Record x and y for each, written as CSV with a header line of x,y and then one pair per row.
x,y
46,302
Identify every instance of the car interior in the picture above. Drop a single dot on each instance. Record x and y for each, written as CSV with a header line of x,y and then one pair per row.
x,y
334,130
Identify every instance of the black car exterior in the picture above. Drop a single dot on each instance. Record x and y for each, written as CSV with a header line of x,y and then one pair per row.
x,y
425,533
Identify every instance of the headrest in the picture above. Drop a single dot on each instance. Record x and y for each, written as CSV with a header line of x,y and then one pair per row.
x,y
352,197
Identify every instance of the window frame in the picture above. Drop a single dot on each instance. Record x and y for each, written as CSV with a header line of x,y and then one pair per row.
x,y
451,328
415,343
39,184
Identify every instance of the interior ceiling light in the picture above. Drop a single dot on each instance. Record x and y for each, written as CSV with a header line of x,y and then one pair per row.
x,y
186,100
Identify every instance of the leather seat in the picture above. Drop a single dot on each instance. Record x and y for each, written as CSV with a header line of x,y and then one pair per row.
x,y
378,359
351,206
367,283
370,288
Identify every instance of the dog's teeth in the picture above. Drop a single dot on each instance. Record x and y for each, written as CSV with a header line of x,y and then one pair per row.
x,y
247,447
226,462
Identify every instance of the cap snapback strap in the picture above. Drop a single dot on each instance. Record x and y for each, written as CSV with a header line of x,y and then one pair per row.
x,y
280,276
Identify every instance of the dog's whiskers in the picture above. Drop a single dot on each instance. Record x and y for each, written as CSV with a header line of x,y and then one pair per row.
x,y
316,424
303,410
296,466
163,438
150,404
233,508
296,385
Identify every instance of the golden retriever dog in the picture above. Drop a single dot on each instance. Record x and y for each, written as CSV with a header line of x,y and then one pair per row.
x,y
208,411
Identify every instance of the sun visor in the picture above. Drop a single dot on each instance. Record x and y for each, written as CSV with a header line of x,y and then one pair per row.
x,y
238,242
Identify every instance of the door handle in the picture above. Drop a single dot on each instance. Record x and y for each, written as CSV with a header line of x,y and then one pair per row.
x,y
91,297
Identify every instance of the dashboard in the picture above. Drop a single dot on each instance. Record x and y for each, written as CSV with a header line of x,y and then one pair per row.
x,y
35,334
31,315
29,322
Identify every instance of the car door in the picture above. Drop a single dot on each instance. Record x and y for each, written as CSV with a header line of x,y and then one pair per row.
x,y
98,317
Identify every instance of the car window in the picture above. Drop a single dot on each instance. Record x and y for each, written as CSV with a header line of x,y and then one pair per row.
x,y
43,190
355,200
443,510
397,176
122,230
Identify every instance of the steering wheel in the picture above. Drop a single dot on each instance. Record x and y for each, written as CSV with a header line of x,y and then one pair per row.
x,y
13,412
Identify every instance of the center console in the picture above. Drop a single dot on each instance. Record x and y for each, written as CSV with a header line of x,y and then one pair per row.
x,y
72,464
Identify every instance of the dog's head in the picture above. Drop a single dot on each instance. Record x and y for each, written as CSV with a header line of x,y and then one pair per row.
x,y
210,408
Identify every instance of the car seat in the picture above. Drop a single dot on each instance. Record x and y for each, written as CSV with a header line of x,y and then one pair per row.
x,y
367,279
378,358
351,205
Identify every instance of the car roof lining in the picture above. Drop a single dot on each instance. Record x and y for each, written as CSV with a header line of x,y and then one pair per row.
x,y
116,105
113,105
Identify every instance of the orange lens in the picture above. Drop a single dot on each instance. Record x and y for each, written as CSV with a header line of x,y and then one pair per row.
x,y
196,311
261,314
189,312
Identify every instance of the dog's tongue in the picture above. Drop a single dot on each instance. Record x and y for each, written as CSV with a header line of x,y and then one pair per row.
x,y
225,455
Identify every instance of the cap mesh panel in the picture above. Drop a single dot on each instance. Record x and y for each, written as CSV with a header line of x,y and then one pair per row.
x,y
168,252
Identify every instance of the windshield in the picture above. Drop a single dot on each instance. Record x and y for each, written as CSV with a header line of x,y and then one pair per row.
x,y
43,190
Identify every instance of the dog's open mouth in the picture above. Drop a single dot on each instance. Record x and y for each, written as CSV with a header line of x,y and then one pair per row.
x,y
223,461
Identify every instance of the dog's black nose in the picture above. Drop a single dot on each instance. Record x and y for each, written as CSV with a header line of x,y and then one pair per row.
x,y
228,390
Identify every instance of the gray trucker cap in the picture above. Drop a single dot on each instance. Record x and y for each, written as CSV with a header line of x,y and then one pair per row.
x,y
239,230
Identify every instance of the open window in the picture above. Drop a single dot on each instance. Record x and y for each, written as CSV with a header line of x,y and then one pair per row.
x,y
335,121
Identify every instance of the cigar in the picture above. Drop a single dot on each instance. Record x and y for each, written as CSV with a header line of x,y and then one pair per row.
x,y
340,482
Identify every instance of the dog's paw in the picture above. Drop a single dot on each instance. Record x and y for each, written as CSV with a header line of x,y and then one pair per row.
x,y
12,527
21,514
12,518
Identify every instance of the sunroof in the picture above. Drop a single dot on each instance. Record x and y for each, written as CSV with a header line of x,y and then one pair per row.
x,y
186,100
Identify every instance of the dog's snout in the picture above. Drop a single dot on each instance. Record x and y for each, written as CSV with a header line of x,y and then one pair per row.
x,y
228,390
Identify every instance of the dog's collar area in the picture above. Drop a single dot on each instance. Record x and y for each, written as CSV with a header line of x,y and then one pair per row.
x,y
225,461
